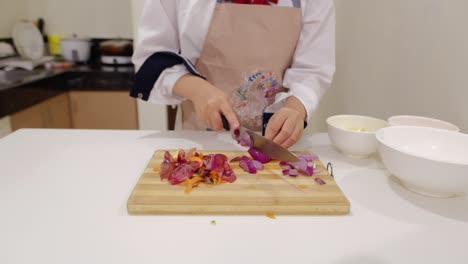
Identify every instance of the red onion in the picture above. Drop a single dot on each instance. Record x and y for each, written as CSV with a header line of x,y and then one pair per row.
x,y
244,139
181,156
166,170
257,155
303,165
228,174
181,173
190,165
293,172
167,166
218,161
320,181
257,164
247,165
307,157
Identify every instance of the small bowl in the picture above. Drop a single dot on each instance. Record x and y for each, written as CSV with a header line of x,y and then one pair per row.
x,y
428,161
407,120
354,135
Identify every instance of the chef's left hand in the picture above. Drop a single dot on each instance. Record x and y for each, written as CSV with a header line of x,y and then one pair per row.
x,y
286,126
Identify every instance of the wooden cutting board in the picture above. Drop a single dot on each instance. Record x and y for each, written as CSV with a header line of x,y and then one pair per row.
x,y
267,192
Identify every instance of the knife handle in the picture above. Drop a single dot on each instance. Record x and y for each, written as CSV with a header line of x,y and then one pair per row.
x,y
226,125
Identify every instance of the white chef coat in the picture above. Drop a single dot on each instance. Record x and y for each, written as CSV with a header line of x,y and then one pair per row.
x,y
180,26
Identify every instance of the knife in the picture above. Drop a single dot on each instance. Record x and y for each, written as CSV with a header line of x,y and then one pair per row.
x,y
263,144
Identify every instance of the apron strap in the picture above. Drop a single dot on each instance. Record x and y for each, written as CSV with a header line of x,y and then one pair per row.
x,y
296,3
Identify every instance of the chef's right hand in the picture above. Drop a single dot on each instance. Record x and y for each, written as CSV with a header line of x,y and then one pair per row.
x,y
209,101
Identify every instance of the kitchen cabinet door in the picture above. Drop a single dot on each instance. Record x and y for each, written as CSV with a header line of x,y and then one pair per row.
x,y
52,113
103,110
58,112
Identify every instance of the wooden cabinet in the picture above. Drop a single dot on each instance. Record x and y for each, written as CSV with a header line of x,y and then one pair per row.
x,y
52,113
103,110
81,109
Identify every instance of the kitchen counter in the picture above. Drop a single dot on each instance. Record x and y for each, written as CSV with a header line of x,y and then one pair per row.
x,y
63,196
42,84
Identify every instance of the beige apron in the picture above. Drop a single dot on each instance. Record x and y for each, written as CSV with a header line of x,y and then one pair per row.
x,y
247,50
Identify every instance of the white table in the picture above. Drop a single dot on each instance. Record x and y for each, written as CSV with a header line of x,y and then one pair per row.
x,y
63,199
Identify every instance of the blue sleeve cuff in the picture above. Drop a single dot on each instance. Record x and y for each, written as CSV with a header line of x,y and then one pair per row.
x,y
152,68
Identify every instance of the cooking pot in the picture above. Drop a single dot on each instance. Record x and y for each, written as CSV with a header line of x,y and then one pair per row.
x,y
76,49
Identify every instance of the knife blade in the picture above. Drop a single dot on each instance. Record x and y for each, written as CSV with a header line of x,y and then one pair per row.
x,y
263,144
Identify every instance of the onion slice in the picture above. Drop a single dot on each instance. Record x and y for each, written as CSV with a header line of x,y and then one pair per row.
x,y
244,140
258,155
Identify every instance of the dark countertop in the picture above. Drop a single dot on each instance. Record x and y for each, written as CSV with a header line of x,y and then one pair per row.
x,y
42,84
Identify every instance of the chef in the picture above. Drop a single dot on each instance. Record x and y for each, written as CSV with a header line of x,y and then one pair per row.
x,y
261,64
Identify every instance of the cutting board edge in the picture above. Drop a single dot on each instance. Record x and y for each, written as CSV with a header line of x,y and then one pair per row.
x,y
342,209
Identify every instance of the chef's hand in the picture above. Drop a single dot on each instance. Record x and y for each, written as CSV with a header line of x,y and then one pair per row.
x,y
286,126
209,101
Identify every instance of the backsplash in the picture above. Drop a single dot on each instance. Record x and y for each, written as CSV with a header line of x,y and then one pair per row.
x,y
86,18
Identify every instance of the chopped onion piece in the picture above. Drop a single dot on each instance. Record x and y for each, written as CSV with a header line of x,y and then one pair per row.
x,y
190,168
258,165
258,155
320,181
307,157
247,165
293,172
244,140
305,165
181,173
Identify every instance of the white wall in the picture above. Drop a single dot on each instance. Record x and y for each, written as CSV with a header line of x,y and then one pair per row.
x,y
11,11
150,116
400,57
88,18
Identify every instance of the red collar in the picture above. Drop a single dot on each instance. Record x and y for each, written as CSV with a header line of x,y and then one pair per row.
x,y
255,2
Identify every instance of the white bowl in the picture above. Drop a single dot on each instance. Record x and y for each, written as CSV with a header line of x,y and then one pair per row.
x,y
407,120
343,133
428,161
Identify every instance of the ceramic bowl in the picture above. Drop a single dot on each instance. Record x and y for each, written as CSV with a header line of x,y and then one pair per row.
x,y
407,120
354,135
428,161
